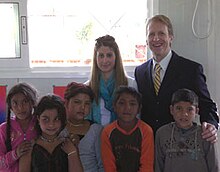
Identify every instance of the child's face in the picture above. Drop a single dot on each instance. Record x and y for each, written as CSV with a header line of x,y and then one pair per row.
x,y
50,123
126,108
78,107
184,114
21,107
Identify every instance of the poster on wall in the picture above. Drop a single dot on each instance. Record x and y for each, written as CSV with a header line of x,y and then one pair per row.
x,y
59,90
2,103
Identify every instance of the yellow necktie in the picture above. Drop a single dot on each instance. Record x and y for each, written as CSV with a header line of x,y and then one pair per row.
x,y
157,81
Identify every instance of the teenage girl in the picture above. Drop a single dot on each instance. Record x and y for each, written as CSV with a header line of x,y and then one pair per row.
x,y
107,75
50,153
78,100
18,131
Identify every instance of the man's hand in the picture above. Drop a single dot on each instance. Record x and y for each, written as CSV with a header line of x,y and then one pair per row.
x,y
209,132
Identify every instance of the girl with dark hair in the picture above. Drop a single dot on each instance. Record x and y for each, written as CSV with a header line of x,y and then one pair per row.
x,y
18,131
50,153
84,133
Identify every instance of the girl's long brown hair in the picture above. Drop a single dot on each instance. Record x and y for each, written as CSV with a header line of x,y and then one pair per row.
x,y
120,75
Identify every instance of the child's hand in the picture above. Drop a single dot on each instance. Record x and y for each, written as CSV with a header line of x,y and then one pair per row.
x,y
75,139
68,146
24,148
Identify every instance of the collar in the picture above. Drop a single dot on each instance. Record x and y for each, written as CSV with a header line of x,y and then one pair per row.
x,y
164,62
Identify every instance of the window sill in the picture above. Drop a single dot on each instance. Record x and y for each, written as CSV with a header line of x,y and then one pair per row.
x,y
52,72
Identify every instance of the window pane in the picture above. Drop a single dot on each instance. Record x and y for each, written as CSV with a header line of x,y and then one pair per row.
x,y
63,32
9,31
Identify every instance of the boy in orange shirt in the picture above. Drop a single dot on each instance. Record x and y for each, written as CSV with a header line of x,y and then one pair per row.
x,y
127,144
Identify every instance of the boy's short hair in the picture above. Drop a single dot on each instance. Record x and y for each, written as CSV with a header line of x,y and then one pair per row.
x,y
185,95
129,90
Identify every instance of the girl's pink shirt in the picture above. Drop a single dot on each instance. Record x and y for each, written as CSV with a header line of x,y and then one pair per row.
x,y
9,160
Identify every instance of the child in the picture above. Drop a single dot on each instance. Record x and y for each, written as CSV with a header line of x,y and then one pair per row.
x,y
179,146
50,153
78,100
127,144
17,132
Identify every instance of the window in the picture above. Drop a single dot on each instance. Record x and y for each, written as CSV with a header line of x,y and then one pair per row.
x,y
45,35
9,31
13,46
62,33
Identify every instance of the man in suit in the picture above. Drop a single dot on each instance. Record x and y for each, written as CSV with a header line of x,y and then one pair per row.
x,y
175,72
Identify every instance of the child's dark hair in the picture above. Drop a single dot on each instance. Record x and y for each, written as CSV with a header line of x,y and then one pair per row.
x,y
31,95
129,90
75,88
51,101
185,95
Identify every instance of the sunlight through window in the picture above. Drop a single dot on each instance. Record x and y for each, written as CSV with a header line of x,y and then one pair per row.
x,y
62,32
9,31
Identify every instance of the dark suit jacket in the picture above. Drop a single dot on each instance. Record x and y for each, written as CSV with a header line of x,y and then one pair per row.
x,y
180,73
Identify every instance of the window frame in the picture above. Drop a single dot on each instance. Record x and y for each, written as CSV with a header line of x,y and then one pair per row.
x,y
23,61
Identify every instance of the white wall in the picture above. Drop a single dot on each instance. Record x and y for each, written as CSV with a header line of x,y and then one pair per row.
x,y
204,51
44,81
